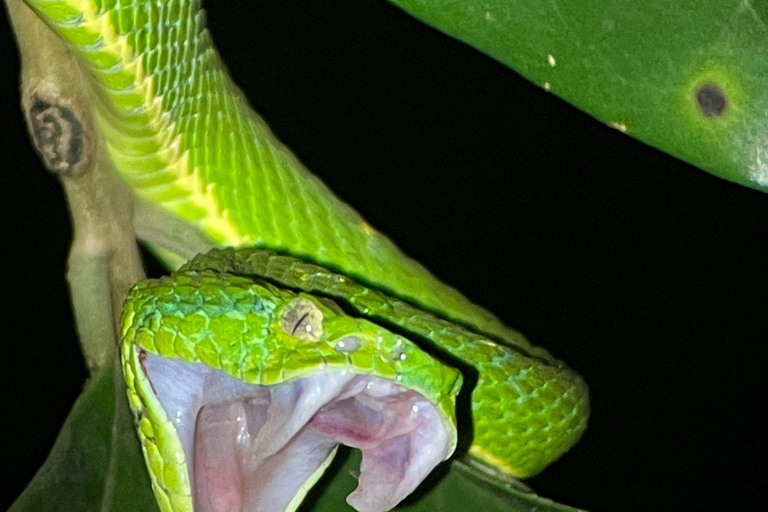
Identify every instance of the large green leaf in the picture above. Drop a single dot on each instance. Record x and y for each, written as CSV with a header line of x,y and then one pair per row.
x,y
96,462
686,76
96,465
457,487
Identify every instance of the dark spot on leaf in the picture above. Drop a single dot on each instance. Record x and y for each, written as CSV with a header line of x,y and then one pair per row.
x,y
57,134
711,100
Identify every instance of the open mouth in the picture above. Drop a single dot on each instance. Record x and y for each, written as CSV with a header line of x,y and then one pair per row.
x,y
256,448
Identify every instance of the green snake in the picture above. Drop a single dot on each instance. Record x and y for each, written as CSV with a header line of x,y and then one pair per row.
x,y
248,366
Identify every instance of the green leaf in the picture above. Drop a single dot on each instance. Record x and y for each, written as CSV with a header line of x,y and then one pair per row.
x,y
453,487
96,465
686,76
96,462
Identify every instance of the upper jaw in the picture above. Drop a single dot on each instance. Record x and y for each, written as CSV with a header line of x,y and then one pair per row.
x,y
249,448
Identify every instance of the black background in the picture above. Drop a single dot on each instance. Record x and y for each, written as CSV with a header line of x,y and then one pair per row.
x,y
646,275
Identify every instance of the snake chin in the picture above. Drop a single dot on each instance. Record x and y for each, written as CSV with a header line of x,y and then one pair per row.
x,y
259,448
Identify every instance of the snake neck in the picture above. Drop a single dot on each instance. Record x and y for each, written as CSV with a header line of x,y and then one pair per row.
x,y
183,137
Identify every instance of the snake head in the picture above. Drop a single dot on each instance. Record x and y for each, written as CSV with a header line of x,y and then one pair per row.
x,y
242,392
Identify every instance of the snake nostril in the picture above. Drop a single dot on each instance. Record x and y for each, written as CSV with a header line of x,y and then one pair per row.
x,y
348,344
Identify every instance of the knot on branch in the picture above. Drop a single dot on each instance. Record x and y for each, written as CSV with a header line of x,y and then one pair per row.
x,y
58,130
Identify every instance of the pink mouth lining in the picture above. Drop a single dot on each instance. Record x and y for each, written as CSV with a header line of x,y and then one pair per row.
x,y
252,447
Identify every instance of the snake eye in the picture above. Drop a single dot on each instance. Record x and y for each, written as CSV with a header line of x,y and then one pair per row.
x,y
303,320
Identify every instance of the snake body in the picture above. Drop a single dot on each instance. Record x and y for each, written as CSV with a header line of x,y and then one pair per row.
x,y
183,137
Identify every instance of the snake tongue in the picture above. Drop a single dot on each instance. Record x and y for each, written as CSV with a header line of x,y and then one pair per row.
x,y
253,448
219,475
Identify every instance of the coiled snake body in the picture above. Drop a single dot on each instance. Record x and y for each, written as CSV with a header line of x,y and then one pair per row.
x,y
314,329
